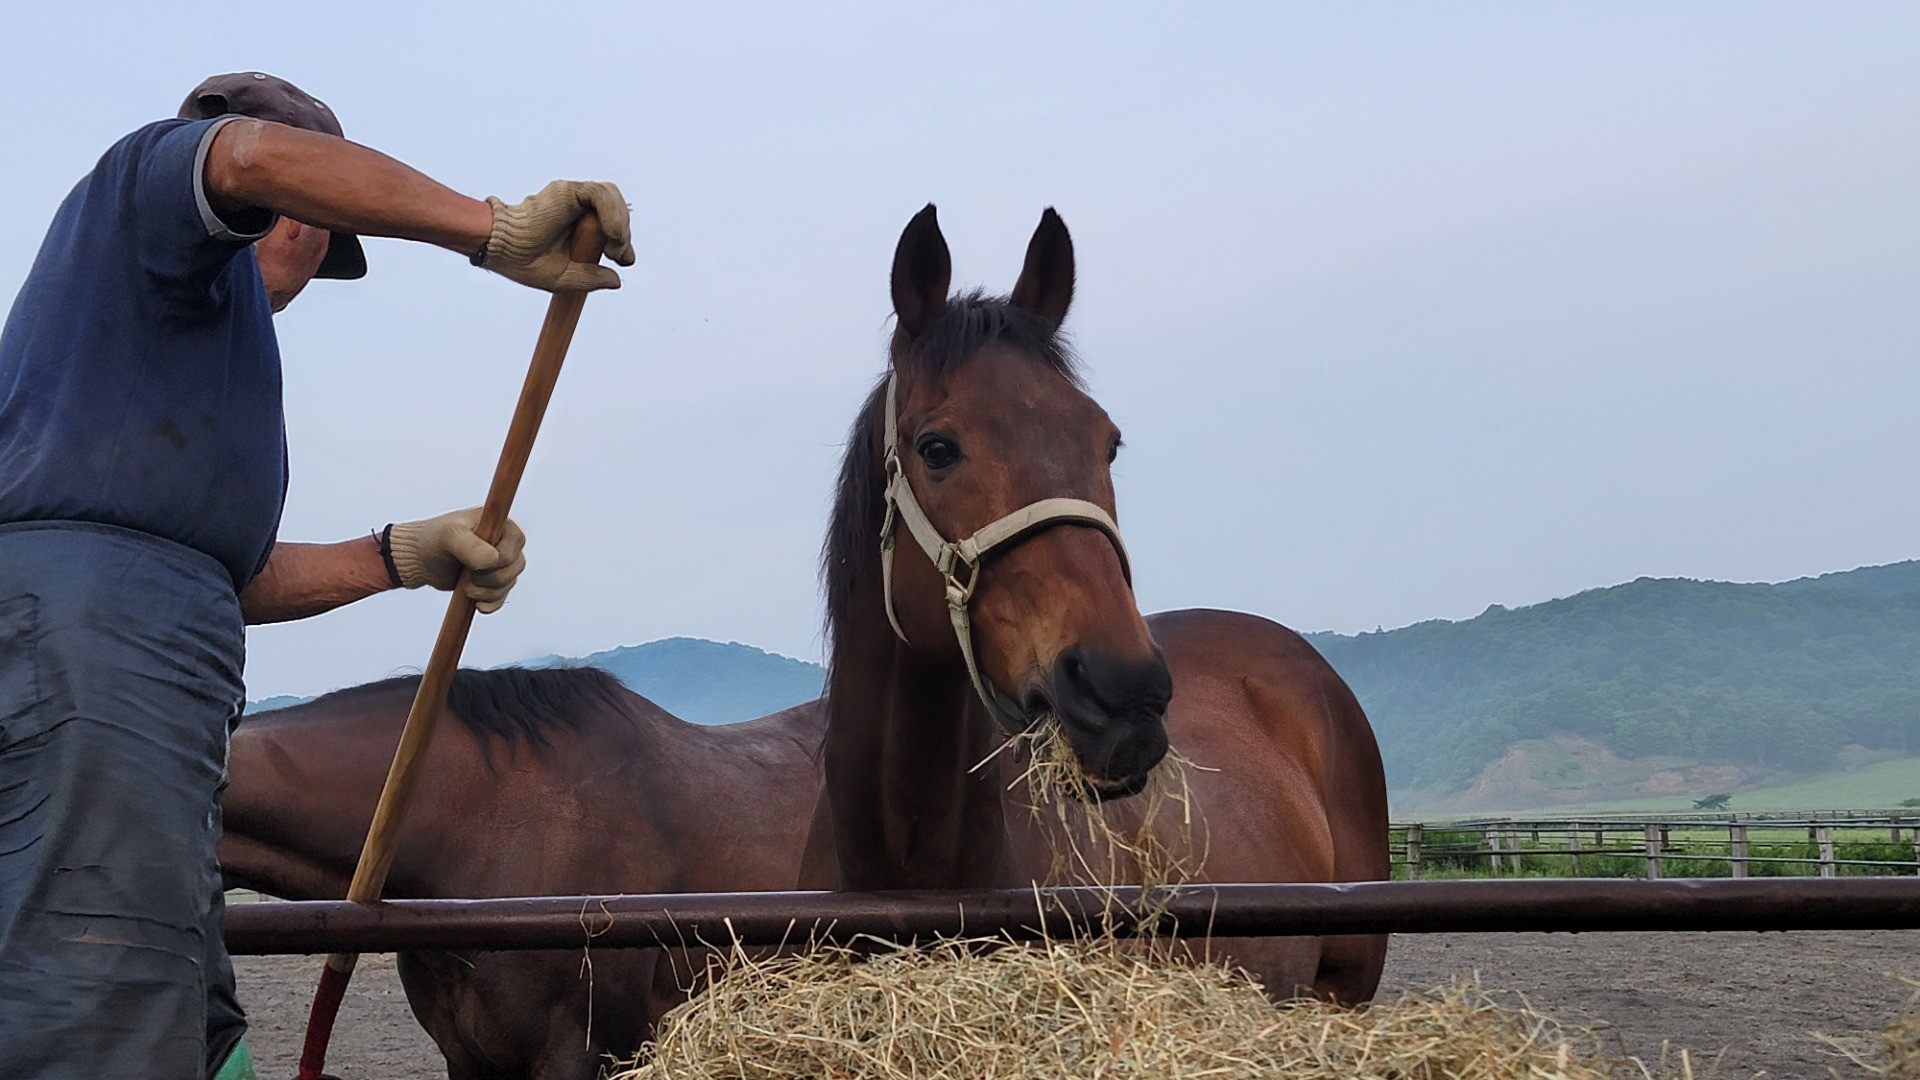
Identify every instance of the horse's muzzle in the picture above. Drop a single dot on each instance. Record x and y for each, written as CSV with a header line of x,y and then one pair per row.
x,y
1114,715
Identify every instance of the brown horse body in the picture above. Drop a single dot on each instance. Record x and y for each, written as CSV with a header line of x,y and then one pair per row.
x,y
540,783
991,419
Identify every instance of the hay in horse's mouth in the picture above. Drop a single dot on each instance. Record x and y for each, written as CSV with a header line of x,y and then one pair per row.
x,y
1102,847
1060,771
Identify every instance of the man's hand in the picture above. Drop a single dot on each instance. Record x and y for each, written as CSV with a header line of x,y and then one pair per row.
x,y
436,550
530,237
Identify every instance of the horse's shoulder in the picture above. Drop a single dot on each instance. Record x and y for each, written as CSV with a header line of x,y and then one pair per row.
x,y
1230,635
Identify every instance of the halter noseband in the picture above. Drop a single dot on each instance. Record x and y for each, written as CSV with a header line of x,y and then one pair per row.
x,y
950,556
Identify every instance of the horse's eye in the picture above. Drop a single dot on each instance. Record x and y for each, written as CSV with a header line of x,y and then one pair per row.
x,y
939,452
1113,449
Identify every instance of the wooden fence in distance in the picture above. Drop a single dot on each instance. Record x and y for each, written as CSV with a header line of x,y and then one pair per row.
x,y
1748,844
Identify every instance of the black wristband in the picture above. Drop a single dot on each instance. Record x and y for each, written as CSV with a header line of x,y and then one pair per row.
x,y
384,539
480,256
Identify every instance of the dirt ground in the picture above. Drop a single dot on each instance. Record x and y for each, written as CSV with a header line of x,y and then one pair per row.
x,y
1759,997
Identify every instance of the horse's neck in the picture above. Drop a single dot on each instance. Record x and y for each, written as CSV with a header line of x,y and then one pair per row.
x,y
300,795
903,737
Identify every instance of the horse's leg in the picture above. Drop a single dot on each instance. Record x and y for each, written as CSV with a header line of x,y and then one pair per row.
x,y
433,998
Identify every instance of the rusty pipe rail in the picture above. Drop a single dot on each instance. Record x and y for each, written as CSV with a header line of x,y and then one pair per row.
x,y
1420,907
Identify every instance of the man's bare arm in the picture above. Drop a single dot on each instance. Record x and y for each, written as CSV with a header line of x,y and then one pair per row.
x,y
301,580
335,184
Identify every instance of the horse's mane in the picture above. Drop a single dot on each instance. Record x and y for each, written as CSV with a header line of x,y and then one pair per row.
x,y
972,321
508,704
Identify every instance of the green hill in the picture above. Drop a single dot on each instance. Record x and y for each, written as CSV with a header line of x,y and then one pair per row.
x,y
1650,682
704,682
707,682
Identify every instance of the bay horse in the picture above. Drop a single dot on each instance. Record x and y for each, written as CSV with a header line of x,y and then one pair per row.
x,y
547,782
1009,604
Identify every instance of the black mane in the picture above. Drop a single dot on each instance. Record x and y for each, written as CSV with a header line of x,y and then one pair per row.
x,y
508,704
972,321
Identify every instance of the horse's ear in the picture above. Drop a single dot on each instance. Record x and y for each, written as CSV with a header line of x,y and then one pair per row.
x,y
1046,282
922,270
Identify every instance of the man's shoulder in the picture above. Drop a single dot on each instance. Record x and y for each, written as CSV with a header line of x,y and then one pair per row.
x,y
142,141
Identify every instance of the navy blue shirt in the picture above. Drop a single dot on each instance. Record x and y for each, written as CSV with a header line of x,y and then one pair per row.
x,y
139,373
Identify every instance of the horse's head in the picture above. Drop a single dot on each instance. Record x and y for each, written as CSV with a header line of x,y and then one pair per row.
x,y
999,510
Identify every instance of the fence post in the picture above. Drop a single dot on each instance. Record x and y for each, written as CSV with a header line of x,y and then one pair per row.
x,y
1916,849
1493,845
1826,851
1737,849
1413,852
1653,852
1573,844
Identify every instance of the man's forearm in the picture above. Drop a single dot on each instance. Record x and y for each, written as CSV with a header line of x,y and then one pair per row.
x,y
301,580
335,184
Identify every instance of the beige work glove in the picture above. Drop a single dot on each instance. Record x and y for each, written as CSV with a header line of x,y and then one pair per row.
x,y
530,238
435,551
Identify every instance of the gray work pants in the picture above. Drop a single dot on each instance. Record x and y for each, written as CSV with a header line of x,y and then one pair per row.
x,y
120,665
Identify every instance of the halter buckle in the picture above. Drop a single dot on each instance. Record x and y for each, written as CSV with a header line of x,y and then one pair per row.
x,y
960,594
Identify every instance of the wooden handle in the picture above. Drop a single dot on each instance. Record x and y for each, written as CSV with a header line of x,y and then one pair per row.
x,y
549,352
430,700
563,313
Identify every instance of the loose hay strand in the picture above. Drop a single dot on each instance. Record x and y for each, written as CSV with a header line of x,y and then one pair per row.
x,y
1064,1010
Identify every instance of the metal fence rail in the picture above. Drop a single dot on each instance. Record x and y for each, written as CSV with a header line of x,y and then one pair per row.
x,y
1573,905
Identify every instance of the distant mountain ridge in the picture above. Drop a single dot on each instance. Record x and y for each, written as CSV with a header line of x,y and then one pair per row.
x,y
700,681
1656,682
706,682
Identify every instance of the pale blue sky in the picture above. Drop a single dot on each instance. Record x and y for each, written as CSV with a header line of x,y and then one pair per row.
x,y
1405,309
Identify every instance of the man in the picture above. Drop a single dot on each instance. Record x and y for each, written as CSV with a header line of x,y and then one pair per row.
x,y
142,474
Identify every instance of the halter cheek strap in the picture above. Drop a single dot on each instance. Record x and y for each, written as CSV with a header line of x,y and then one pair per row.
x,y
951,557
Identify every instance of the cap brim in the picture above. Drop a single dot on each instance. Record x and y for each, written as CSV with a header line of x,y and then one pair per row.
x,y
345,260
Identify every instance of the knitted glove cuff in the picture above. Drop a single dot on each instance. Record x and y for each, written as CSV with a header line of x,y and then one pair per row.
x,y
406,558
383,539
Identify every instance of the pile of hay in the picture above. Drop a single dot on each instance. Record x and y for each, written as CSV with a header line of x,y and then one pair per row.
x,y
1095,1009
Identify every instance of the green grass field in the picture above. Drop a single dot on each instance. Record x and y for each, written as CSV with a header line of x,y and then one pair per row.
x,y
1884,785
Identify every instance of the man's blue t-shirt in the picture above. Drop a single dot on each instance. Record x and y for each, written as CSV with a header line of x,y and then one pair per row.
x,y
139,374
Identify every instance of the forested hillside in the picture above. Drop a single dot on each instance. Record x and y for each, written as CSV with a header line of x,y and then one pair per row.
x,y
704,682
1777,678
707,682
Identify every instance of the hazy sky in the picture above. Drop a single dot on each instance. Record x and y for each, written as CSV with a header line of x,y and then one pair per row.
x,y
1405,309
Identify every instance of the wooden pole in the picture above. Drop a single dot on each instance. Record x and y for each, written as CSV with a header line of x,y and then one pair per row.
x,y
1737,849
1413,852
1825,840
1653,852
430,700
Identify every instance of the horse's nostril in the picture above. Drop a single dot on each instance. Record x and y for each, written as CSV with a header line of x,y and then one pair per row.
x,y
1102,687
1075,668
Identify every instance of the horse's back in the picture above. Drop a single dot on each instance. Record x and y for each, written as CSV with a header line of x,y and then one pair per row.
x,y
1283,751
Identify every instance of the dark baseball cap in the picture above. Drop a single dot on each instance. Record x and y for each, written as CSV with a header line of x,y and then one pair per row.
x,y
265,97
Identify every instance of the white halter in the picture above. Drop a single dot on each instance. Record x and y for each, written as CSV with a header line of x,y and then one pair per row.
x,y
949,556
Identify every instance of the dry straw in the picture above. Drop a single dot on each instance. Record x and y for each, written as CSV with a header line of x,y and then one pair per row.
x,y
1149,839
1095,1007
965,1010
